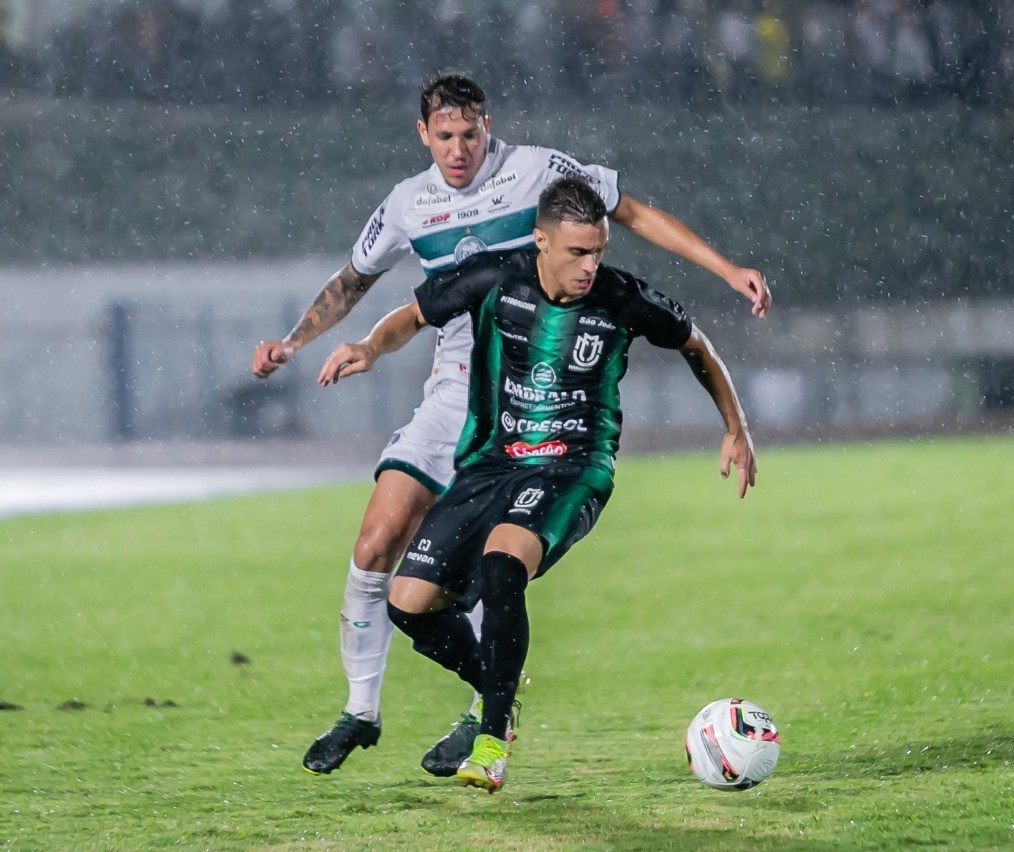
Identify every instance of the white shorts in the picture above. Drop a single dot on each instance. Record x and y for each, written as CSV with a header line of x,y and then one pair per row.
x,y
424,447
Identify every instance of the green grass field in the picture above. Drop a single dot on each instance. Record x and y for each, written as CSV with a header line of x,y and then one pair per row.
x,y
862,594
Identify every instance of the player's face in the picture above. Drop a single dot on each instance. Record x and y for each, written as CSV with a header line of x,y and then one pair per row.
x,y
569,257
457,142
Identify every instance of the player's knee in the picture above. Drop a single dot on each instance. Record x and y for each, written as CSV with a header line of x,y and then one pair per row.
x,y
377,548
418,626
504,578
401,619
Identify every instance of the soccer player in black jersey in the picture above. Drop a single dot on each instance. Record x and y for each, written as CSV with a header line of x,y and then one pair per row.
x,y
478,193
552,329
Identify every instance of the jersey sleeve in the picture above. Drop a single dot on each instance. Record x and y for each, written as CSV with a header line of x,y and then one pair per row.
x,y
654,316
384,241
556,164
456,291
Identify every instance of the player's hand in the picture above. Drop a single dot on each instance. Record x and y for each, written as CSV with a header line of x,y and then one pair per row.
x,y
268,356
737,449
751,283
347,359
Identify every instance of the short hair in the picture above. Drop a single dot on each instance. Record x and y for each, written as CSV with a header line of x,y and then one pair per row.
x,y
452,89
569,199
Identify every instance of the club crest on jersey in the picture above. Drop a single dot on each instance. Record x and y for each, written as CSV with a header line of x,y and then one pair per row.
x,y
466,247
587,350
543,376
527,499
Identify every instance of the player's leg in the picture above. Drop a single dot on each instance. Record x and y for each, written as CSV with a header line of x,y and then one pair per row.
x,y
445,554
425,613
435,573
512,557
397,505
549,511
416,465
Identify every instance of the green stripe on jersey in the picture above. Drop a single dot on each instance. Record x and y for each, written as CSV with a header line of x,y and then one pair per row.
x,y
512,226
479,430
548,349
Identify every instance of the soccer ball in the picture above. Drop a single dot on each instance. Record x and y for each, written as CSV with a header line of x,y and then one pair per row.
x,y
732,744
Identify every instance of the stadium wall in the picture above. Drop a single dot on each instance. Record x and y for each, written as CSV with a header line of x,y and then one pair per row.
x,y
127,354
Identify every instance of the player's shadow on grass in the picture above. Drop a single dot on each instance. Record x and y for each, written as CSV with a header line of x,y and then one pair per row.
x,y
986,750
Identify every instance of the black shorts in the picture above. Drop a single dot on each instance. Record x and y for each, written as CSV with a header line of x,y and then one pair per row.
x,y
559,502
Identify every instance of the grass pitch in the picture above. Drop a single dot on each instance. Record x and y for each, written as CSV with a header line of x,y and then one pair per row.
x,y
862,594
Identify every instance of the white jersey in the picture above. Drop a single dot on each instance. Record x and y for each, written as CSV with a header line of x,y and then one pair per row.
x,y
444,225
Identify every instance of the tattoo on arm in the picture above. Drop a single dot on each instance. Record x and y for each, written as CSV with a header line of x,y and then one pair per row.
x,y
341,293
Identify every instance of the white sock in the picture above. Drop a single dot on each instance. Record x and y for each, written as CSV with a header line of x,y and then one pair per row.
x,y
475,619
365,637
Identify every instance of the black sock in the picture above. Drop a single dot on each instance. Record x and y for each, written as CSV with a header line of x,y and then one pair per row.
x,y
445,637
504,643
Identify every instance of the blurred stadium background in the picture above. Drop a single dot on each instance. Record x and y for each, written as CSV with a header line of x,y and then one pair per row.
x,y
180,178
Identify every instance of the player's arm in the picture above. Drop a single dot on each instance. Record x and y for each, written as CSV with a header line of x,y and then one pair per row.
x,y
338,296
668,232
737,445
392,332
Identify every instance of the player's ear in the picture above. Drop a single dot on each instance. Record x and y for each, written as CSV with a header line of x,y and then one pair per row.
x,y
424,134
541,239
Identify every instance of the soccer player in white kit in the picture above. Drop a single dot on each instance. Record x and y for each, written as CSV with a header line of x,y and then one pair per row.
x,y
480,194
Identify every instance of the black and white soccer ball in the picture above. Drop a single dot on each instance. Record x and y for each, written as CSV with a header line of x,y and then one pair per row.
x,y
732,744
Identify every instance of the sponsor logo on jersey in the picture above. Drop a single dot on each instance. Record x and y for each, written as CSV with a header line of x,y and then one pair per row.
x,y
466,247
468,214
425,544
527,499
373,231
587,350
420,557
498,203
598,322
521,338
564,166
574,424
431,188
439,219
432,200
497,181
517,303
519,449
529,394
508,421
543,376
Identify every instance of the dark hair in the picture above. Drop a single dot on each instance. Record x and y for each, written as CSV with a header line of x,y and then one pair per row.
x,y
570,199
452,89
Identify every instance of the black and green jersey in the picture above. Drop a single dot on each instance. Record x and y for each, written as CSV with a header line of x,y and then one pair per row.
x,y
545,375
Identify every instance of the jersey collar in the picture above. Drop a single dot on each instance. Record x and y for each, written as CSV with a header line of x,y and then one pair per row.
x,y
496,153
